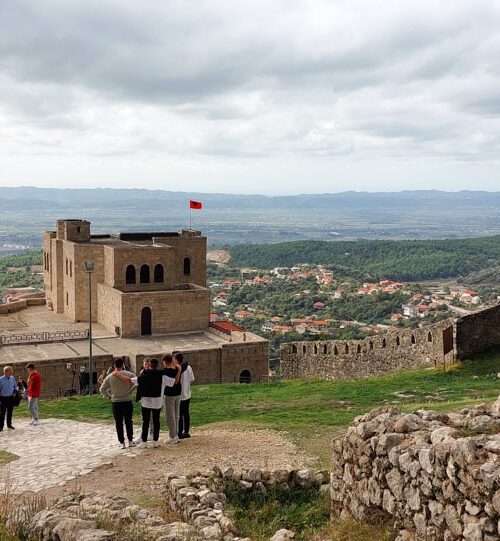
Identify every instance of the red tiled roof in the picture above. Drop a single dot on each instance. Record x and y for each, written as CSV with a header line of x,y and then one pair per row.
x,y
226,326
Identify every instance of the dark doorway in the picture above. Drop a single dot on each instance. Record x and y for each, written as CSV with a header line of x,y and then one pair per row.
x,y
146,321
245,376
187,265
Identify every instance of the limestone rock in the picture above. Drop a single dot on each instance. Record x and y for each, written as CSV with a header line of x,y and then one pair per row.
x,y
283,535
69,529
482,423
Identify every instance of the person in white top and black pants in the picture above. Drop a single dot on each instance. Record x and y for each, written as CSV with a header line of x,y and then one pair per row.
x,y
187,377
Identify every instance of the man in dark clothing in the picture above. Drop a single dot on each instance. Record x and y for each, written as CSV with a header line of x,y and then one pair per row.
x,y
187,376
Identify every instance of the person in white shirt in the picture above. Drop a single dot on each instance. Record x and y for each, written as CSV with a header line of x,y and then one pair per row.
x,y
151,386
187,377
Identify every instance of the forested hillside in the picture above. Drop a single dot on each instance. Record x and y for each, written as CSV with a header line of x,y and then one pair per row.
x,y
395,260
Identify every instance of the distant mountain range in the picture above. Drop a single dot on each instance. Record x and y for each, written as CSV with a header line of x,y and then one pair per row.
x,y
58,200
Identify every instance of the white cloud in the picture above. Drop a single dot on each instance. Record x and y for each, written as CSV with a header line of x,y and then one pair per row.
x,y
267,96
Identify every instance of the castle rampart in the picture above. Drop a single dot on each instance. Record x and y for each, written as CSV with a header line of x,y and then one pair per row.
x,y
391,352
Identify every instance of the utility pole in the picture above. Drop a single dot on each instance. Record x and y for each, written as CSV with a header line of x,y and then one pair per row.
x,y
89,269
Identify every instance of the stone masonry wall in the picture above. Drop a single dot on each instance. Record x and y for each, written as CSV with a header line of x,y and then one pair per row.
x,y
478,331
391,352
373,356
420,470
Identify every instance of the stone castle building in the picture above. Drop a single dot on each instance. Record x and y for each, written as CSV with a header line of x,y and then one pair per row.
x,y
149,297
143,283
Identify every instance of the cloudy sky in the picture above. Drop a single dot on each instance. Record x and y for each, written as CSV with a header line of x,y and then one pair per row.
x,y
272,96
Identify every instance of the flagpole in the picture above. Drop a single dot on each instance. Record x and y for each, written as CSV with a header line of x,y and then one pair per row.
x,y
190,213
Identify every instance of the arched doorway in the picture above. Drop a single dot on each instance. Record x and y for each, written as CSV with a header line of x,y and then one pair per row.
x,y
245,376
146,321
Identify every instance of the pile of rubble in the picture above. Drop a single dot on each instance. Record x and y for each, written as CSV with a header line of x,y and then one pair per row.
x,y
437,474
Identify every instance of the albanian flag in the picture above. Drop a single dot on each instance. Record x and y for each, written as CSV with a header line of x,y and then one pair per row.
x,y
195,205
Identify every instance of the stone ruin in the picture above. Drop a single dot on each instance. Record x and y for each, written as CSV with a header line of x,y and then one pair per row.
x,y
437,475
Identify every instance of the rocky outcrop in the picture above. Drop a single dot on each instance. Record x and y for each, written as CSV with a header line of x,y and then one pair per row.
x,y
437,474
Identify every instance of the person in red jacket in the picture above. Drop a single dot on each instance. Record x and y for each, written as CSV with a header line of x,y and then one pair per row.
x,y
34,385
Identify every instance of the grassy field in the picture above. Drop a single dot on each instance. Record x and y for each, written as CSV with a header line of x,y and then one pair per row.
x,y
311,411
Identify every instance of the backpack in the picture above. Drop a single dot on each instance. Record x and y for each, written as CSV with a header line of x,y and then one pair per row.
x,y
16,398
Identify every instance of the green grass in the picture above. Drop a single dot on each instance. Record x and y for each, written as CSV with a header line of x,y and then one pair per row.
x,y
260,514
6,457
310,410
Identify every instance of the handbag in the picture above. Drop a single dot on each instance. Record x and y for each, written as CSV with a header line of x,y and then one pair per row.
x,y
16,398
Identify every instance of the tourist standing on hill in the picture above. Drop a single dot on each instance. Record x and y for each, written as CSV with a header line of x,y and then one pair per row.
x,y
146,365
187,376
8,387
34,386
152,385
119,392
172,397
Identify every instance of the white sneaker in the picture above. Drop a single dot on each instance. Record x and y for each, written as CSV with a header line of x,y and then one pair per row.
x,y
156,443
36,422
142,445
122,445
172,440
131,443
32,422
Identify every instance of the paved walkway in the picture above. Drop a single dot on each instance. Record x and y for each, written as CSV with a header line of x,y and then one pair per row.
x,y
55,451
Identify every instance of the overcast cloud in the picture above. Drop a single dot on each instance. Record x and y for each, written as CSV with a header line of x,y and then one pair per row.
x,y
263,96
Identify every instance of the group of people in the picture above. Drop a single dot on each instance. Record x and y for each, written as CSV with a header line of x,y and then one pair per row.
x,y
12,392
167,387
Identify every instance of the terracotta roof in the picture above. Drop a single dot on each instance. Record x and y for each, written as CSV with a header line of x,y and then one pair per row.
x,y
226,326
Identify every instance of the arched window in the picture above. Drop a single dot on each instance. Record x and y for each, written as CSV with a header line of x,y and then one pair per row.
x,y
398,341
335,351
325,349
144,274
413,341
187,266
429,337
347,348
158,273
294,349
384,343
315,349
130,275
371,345
359,349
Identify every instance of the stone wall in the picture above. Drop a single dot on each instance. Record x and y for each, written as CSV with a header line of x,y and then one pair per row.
x,y
478,331
422,470
373,356
21,304
391,352
57,378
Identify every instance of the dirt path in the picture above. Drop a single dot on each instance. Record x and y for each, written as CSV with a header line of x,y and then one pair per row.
x,y
140,476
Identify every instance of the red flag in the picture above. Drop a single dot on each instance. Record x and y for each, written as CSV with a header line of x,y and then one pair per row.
x,y
195,205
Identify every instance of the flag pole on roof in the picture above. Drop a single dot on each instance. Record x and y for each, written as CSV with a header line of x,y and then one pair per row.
x,y
193,205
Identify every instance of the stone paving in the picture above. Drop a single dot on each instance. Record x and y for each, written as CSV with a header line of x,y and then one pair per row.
x,y
55,451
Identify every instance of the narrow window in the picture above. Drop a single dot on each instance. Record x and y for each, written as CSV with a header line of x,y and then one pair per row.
x,y
429,337
294,349
158,274
325,349
71,269
398,341
66,266
347,348
67,299
315,350
359,349
413,341
130,275
78,229
384,343
304,349
144,274
335,351
371,345
187,266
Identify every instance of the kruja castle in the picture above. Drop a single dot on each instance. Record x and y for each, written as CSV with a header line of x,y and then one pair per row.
x,y
149,297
